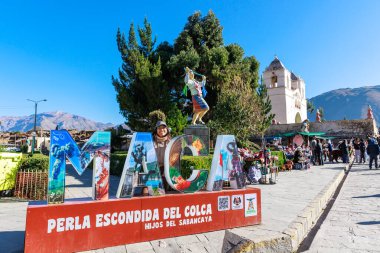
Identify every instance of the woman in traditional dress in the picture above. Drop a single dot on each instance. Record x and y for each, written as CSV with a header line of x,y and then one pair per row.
x,y
200,107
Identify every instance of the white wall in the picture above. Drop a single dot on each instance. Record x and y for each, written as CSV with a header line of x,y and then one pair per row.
x,y
282,96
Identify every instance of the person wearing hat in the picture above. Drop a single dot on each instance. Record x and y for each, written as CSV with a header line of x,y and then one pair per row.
x,y
161,138
200,106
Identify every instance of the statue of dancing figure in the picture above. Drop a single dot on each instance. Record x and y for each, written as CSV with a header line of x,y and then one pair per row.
x,y
369,112
200,107
318,117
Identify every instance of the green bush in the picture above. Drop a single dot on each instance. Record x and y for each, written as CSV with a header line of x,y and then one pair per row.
x,y
24,149
117,163
198,162
41,162
35,162
120,152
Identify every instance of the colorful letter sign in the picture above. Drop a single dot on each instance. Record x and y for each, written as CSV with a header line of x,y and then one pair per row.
x,y
225,165
94,224
62,145
141,169
141,174
173,153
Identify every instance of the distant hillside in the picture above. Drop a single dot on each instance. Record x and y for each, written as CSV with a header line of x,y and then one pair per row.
x,y
348,103
49,121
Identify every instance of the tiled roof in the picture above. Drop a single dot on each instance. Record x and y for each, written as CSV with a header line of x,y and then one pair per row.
x,y
275,64
294,77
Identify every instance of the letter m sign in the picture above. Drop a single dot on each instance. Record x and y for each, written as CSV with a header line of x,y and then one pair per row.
x,y
62,146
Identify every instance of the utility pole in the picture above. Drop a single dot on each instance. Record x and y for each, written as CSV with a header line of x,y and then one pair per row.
x,y
35,120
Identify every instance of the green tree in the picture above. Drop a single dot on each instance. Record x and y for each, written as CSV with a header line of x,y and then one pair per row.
x,y
265,115
310,106
236,113
200,47
151,78
140,86
175,120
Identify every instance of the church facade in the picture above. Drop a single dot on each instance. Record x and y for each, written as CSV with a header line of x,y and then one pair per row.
x,y
286,91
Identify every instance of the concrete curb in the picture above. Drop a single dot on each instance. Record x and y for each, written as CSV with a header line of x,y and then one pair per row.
x,y
290,239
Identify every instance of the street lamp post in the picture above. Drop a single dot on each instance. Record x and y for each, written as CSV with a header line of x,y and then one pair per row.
x,y
35,120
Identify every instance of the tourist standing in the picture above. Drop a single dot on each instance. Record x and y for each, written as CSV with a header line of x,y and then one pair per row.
x,y
372,151
357,150
362,147
319,152
330,149
344,149
161,137
313,144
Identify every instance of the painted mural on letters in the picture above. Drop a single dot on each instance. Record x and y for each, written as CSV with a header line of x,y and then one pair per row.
x,y
141,169
177,147
226,165
63,146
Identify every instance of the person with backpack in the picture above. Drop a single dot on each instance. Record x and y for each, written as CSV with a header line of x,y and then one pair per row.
x,y
373,151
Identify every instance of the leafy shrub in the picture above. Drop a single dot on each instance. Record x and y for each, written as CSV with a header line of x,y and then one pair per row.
x,y
177,121
24,149
41,162
120,152
155,116
117,163
198,162
35,162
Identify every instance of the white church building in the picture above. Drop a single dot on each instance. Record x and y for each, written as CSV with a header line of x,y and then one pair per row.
x,y
286,92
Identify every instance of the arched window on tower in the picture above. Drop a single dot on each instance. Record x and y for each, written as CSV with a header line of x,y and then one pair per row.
x,y
274,81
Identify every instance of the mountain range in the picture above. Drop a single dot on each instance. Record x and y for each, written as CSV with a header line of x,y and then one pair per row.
x,y
49,121
337,104
348,103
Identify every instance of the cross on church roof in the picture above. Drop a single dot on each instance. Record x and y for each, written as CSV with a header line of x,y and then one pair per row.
x,y
275,64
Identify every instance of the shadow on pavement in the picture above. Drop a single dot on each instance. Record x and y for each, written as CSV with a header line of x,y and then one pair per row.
x,y
369,196
12,241
85,180
329,168
369,223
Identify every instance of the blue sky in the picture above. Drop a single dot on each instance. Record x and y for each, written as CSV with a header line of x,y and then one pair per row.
x,y
66,51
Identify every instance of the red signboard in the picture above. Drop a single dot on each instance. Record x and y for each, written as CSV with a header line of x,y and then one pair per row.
x,y
79,226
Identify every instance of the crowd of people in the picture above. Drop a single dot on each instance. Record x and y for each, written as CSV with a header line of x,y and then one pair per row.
x,y
321,150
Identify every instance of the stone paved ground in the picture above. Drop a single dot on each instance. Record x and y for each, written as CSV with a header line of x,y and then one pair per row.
x,y
282,205
353,223
12,213
12,226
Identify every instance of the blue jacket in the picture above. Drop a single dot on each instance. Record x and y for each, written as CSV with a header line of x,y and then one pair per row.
x,y
373,148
